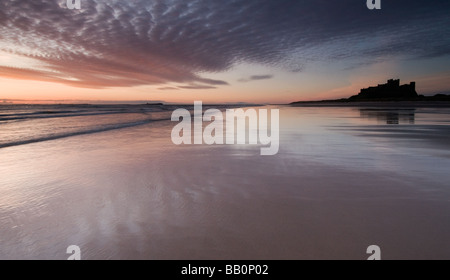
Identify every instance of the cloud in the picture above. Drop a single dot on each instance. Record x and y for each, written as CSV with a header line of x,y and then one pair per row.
x,y
168,88
197,87
112,43
256,78
213,82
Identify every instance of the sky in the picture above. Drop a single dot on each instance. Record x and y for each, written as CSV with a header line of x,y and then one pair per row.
x,y
216,51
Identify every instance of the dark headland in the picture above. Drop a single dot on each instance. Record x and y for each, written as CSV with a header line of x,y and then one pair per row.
x,y
390,92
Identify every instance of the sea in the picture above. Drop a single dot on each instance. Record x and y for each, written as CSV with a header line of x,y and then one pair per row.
x,y
109,180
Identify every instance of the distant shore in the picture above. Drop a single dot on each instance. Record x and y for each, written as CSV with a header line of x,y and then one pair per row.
x,y
390,94
382,99
335,103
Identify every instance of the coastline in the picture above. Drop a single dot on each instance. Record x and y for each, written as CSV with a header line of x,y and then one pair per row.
x,y
387,104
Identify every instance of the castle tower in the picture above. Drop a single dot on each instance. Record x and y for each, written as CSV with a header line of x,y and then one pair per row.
x,y
391,90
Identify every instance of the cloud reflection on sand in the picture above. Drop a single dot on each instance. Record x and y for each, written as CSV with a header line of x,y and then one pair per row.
x,y
329,193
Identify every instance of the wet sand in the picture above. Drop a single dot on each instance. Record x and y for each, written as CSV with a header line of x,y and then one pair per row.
x,y
334,189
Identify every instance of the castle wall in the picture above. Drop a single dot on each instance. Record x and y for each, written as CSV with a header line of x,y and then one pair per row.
x,y
392,89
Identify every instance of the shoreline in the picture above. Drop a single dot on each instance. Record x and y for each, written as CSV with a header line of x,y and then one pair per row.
x,y
135,195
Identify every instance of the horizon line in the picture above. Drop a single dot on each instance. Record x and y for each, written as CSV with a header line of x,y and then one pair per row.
x,y
6,101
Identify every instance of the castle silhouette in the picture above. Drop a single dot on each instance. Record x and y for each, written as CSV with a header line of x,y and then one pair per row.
x,y
391,90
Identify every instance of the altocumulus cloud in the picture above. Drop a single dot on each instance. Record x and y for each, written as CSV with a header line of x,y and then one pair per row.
x,y
127,43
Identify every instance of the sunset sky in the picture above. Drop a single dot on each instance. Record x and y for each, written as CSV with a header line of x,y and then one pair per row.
x,y
261,51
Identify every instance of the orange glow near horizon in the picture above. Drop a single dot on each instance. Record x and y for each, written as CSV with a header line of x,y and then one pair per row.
x,y
283,87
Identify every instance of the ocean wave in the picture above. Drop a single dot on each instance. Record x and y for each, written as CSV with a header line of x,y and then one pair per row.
x,y
91,130
64,114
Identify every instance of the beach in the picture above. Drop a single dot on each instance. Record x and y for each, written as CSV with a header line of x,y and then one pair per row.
x,y
115,185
